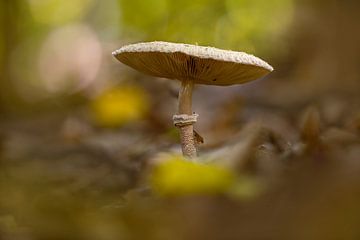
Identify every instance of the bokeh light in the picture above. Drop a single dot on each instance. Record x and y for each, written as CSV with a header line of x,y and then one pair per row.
x,y
70,58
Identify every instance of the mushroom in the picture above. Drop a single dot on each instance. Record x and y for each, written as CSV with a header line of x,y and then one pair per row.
x,y
191,65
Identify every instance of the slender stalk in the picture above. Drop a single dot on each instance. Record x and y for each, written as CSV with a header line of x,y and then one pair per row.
x,y
186,132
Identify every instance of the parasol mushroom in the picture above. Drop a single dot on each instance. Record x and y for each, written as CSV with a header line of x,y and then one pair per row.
x,y
191,65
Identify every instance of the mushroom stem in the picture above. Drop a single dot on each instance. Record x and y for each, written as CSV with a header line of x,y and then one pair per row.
x,y
186,131
185,97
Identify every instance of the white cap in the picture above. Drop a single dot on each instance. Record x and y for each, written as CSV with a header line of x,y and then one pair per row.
x,y
203,65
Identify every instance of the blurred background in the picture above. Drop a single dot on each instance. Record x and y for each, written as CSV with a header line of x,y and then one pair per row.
x,y
80,132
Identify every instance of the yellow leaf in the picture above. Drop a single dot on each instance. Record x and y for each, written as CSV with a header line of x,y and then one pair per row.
x,y
119,106
178,176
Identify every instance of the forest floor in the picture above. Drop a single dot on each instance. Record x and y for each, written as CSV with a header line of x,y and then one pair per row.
x,y
63,179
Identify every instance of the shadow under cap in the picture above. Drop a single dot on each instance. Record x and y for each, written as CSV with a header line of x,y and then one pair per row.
x,y
203,65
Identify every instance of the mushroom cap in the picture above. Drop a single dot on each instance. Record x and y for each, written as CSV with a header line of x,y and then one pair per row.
x,y
203,65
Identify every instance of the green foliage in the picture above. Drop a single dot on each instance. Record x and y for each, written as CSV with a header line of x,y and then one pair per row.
x,y
143,14
254,26
57,12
